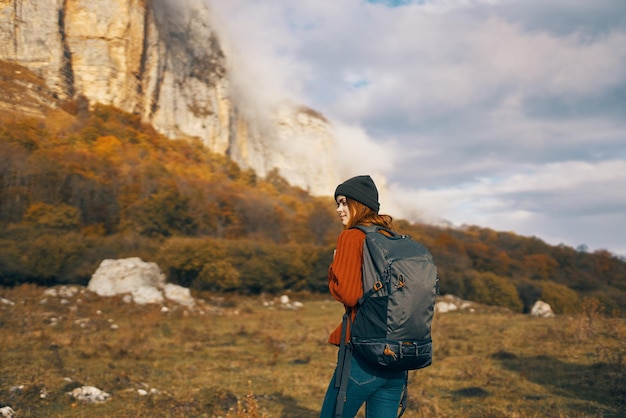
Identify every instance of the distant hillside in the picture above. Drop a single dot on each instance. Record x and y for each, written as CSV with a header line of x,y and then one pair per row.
x,y
78,186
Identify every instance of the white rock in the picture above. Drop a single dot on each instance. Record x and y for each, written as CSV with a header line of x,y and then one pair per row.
x,y
7,411
125,275
541,310
7,302
178,294
141,280
65,292
90,394
284,299
51,292
145,294
466,305
444,307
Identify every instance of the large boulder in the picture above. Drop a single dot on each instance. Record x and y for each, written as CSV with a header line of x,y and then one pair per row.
x,y
143,281
541,310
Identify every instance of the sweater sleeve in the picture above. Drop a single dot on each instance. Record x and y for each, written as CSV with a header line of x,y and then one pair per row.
x,y
344,274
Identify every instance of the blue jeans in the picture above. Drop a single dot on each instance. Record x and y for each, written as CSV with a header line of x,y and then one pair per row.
x,y
381,392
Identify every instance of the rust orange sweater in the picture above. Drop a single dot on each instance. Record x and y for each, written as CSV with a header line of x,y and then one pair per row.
x,y
344,274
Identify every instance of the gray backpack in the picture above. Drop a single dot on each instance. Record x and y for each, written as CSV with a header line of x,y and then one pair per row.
x,y
393,322
392,326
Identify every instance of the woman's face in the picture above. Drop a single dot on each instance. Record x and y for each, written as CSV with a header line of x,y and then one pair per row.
x,y
343,210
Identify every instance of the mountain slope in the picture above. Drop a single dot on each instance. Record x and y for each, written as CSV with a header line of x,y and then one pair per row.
x,y
162,60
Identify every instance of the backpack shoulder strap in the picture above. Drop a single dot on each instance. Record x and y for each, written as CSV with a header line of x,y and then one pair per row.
x,y
342,372
368,229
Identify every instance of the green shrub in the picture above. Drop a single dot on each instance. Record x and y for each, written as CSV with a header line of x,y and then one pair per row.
x,y
490,289
44,256
12,269
244,265
218,275
452,282
561,298
182,259
50,258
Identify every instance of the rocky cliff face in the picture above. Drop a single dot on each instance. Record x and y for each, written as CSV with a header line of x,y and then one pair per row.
x,y
161,59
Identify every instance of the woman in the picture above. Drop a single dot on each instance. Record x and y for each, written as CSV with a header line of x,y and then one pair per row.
x,y
381,391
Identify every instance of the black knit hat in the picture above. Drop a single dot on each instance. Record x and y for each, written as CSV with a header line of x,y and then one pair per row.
x,y
362,189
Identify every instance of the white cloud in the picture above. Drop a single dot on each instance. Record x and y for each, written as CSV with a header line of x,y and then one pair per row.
x,y
535,202
358,154
508,114
260,51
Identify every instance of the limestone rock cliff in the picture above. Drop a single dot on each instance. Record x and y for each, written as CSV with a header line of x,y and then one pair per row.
x,y
161,59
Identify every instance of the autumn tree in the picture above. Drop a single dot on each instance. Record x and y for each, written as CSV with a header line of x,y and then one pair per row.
x,y
539,266
163,213
53,216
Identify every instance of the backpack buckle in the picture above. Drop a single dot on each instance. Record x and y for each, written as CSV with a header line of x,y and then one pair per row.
x,y
401,282
378,285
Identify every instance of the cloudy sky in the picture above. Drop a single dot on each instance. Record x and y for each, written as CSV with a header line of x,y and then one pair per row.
x,y
508,114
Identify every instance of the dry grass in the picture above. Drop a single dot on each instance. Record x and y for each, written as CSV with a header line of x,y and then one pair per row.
x,y
236,358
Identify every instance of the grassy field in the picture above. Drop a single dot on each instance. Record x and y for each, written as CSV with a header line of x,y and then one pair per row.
x,y
236,357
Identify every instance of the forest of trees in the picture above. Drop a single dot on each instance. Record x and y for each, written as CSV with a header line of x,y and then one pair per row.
x,y
83,185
